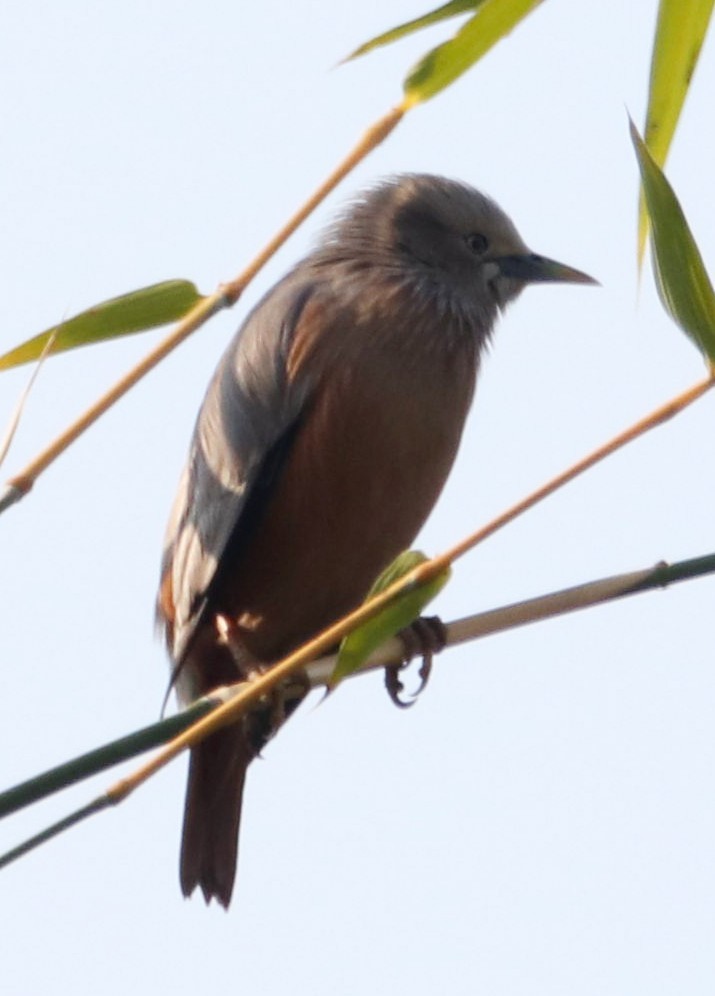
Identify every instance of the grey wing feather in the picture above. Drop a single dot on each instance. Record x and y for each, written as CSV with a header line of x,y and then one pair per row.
x,y
249,405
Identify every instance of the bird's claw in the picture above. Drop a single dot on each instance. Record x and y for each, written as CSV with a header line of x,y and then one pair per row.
x,y
425,637
276,706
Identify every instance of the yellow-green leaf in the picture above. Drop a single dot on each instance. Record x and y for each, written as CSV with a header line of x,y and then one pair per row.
x,y
399,613
143,309
394,34
679,36
440,67
680,275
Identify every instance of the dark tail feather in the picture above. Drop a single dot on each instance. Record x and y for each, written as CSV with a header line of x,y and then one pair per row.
x,y
209,846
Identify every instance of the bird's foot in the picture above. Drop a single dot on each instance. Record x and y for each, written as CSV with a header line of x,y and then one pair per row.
x,y
423,638
275,707
286,698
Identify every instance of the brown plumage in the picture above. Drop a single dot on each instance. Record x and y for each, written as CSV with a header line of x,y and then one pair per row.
x,y
323,442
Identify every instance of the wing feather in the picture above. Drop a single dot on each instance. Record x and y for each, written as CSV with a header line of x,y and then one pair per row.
x,y
251,404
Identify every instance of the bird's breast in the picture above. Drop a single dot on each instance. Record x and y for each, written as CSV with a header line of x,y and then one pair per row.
x,y
367,464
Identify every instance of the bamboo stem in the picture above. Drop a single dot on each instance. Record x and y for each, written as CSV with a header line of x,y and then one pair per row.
x,y
435,566
226,296
319,672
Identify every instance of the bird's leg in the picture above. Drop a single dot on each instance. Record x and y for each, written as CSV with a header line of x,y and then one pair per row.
x,y
279,703
424,638
227,634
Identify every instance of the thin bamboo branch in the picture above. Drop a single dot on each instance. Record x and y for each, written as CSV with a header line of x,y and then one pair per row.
x,y
299,659
54,830
94,761
226,296
289,666
431,568
240,698
531,610
319,672
23,482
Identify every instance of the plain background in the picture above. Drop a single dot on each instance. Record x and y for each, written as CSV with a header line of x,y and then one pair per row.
x,y
543,820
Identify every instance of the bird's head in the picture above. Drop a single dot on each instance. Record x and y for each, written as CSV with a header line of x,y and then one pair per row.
x,y
454,232
445,236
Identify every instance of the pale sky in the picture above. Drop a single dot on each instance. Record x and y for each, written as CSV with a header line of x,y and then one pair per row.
x,y
542,822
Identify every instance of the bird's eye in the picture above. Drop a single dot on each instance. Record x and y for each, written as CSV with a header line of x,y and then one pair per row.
x,y
478,243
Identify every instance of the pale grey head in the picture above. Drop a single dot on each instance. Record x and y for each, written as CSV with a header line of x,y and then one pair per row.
x,y
446,239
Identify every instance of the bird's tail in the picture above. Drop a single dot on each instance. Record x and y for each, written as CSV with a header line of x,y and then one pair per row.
x,y
212,813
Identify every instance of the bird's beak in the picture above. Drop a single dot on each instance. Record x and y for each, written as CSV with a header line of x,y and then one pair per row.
x,y
533,269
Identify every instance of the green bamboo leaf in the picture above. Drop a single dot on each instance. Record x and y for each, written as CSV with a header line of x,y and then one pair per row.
x,y
434,17
399,613
440,67
143,309
679,36
680,275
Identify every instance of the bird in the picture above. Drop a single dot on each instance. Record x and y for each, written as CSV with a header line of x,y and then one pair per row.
x,y
324,440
